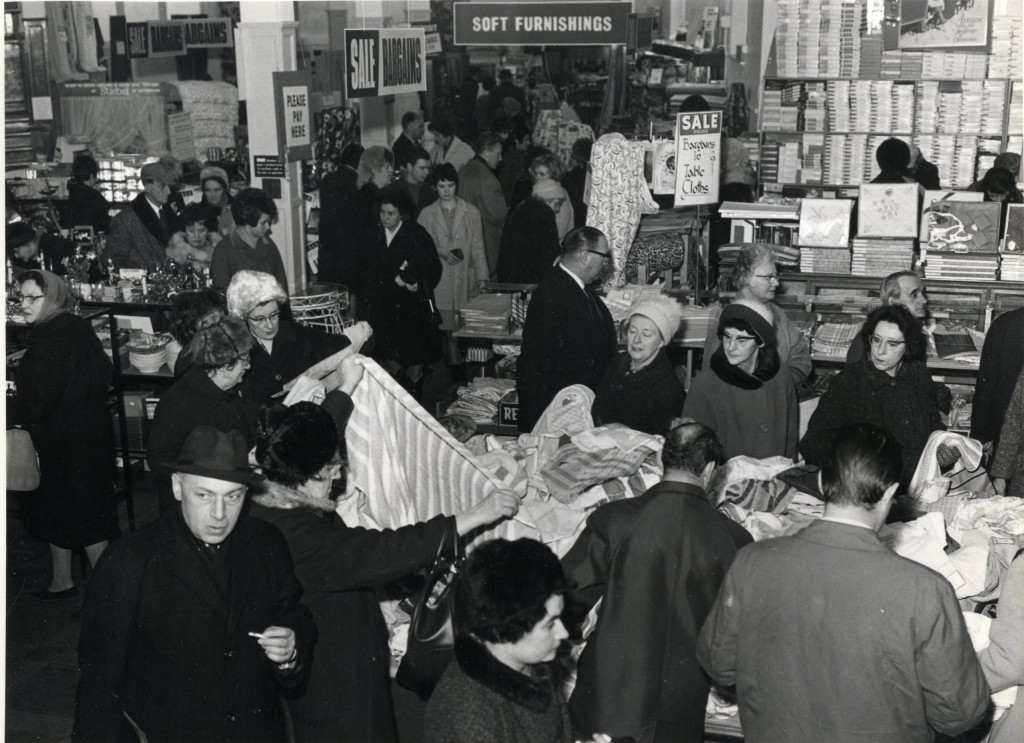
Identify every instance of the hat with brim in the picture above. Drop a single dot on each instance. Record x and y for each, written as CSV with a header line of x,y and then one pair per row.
x,y
159,171
18,234
220,455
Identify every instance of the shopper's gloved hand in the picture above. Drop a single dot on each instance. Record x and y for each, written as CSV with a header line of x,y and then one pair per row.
x,y
947,456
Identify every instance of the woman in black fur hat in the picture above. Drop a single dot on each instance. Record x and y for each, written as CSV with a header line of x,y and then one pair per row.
x,y
508,629
340,567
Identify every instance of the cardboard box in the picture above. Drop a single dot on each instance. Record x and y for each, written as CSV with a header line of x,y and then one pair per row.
x,y
508,409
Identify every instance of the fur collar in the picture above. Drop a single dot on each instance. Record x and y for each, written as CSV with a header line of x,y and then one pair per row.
x,y
767,367
533,692
276,495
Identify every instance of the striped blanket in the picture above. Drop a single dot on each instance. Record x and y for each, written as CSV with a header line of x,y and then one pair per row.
x,y
405,467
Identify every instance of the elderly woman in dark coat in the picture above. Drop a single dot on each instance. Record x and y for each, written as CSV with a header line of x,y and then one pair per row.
x,y
208,392
640,388
401,276
63,380
349,693
190,312
891,388
508,629
283,349
530,243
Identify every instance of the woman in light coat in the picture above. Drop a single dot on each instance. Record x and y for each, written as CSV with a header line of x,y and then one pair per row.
x,y
457,230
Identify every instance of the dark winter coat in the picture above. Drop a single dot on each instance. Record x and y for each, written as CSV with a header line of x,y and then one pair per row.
x,y
63,381
568,338
295,348
365,223
1002,360
339,567
575,183
86,206
753,417
162,643
402,327
233,254
1008,462
646,401
480,699
138,237
903,405
337,262
529,243
657,561
194,400
480,187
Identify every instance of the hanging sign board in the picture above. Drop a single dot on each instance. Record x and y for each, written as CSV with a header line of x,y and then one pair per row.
x,y
384,61
208,33
432,43
181,143
166,38
294,119
138,40
564,24
698,157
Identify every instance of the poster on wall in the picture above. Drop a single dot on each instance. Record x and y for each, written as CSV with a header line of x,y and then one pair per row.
x,y
166,38
933,24
384,61
698,157
294,122
180,139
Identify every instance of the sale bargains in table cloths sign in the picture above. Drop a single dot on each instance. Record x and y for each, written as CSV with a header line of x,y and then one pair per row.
x,y
698,157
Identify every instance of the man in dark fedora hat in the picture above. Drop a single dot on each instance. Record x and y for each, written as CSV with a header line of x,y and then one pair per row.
x,y
191,625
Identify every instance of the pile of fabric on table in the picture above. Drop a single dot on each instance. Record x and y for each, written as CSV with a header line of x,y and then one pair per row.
x,y
479,399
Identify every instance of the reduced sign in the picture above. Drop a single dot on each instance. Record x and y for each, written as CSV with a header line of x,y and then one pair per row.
x,y
698,157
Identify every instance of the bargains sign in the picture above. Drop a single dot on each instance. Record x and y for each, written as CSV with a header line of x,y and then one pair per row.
x,y
384,61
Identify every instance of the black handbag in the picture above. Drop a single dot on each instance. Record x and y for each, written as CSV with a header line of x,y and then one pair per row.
x,y
431,644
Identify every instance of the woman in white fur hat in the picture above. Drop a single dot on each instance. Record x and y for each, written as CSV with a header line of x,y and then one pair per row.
x,y
640,388
743,393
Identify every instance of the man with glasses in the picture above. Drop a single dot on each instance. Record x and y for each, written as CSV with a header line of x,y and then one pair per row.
x,y
209,392
828,635
193,625
569,335
140,233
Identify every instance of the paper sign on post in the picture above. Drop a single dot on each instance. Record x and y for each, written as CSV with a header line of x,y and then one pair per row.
x,y
698,157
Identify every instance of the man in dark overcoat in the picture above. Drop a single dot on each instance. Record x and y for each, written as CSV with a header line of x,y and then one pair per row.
x,y
569,335
656,563
192,625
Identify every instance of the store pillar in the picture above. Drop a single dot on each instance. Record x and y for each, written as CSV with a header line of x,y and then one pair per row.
x,y
266,42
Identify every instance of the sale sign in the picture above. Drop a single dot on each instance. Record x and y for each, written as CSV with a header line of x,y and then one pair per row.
x,y
698,157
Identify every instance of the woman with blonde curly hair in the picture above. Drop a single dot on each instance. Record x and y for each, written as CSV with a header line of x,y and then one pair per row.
x,y
640,388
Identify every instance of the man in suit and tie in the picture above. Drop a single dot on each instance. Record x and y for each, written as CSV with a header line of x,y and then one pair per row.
x,y
192,625
140,233
569,335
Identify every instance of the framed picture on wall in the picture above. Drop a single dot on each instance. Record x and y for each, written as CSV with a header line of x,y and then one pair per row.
x,y
936,24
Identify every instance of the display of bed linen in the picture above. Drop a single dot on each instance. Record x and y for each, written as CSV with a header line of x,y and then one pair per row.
x,y
214,109
618,196
887,210
932,197
832,338
404,467
479,399
553,132
825,223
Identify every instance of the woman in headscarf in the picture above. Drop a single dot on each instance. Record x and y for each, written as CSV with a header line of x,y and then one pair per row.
x,y
63,381
217,197
348,697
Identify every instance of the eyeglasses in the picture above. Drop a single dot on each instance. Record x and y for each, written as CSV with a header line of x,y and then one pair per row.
x,y
770,276
598,252
243,360
30,298
889,345
737,338
266,319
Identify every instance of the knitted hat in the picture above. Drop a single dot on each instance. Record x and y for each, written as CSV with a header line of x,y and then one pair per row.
x,y
249,289
162,171
663,311
212,171
755,314
548,189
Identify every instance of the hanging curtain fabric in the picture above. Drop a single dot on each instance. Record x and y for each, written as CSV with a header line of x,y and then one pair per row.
x,y
61,50
85,36
618,195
